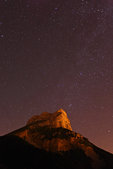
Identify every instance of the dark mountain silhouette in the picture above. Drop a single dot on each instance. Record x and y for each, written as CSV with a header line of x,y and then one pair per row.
x,y
47,141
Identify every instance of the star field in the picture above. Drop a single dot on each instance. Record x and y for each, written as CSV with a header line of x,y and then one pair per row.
x,y
58,54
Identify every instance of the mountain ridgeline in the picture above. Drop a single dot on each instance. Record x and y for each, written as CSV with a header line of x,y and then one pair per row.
x,y
47,141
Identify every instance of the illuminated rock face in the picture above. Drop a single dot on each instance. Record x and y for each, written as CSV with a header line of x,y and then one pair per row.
x,y
49,131
53,132
55,120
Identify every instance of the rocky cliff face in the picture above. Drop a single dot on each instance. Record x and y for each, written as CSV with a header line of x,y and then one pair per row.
x,y
53,133
55,120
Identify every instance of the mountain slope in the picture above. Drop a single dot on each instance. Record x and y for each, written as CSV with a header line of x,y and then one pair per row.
x,y
48,140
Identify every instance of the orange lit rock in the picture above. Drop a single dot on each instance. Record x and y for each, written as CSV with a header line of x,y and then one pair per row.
x,y
55,120
53,132
49,131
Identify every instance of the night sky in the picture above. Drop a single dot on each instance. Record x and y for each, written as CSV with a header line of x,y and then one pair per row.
x,y
58,54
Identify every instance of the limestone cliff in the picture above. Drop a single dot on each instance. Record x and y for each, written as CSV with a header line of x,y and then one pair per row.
x,y
53,120
53,132
48,131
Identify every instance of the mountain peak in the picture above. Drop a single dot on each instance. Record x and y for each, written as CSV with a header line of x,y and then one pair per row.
x,y
52,120
62,111
52,132
48,131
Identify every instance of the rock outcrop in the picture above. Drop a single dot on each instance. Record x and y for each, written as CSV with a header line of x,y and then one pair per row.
x,y
53,132
53,120
48,131
63,147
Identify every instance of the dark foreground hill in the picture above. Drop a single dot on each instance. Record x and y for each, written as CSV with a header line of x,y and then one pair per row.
x,y
48,142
